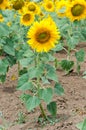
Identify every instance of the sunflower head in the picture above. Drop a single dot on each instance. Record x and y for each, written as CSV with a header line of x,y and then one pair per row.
x,y
43,35
33,7
77,10
49,6
18,4
3,4
27,18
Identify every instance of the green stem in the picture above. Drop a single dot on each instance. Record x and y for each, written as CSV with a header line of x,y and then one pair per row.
x,y
43,112
38,84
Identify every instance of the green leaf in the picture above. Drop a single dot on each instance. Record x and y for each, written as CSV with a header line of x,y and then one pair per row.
x,y
4,30
81,125
58,47
3,67
24,97
22,80
25,62
46,94
36,71
58,89
51,73
52,108
67,65
26,86
84,125
32,102
9,50
2,78
72,41
80,55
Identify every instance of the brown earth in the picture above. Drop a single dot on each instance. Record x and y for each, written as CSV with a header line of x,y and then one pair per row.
x,y
71,106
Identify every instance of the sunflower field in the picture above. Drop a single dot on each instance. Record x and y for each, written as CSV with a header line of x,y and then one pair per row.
x,y
32,35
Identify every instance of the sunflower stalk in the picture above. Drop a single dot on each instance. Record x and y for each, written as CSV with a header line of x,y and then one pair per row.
x,y
38,84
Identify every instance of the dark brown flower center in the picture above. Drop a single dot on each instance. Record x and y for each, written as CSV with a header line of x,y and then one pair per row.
x,y
77,10
49,5
1,1
43,36
18,5
26,17
31,8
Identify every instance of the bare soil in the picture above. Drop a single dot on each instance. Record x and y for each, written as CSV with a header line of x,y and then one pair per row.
x,y
71,106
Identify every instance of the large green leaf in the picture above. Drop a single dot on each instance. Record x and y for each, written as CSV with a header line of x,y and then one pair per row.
x,y
36,71
80,55
9,50
67,65
3,66
46,94
58,89
23,80
52,108
51,73
32,102
26,86
4,30
82,125
25,62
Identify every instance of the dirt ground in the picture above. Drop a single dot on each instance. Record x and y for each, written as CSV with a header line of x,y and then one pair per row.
x,y
71,106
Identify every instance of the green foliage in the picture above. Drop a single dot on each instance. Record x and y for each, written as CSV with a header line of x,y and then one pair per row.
x,y
51,73
58,89
30,101
46,94
3,69
84,75
67,65
21,118
80,55
82,125
52,108
37,71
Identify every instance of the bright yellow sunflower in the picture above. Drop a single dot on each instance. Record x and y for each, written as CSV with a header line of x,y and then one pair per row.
x,y
48,6
3,4
27,19
32,7
43,35
76,10
1,18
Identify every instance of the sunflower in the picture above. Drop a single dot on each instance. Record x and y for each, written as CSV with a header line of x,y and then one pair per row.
x,y
60,8
76,10
1,18
48,6
17,4
3,4
32,7
43,35
27,19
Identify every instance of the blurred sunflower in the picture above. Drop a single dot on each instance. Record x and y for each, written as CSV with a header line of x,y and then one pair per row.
x,y
60,7
43,35
27,19
1,18
48,6
76,10
3,4
17,4
32,7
